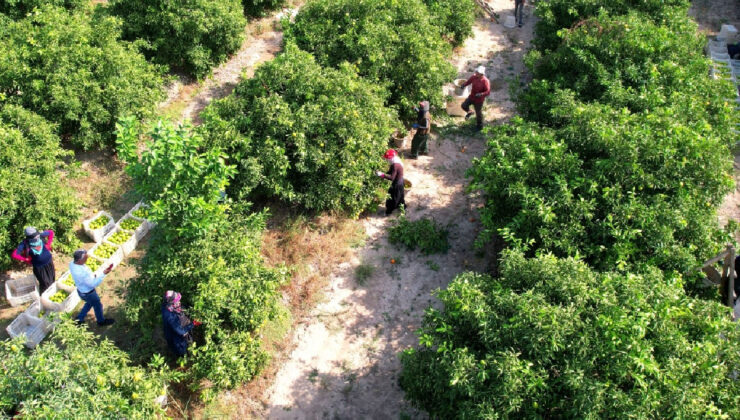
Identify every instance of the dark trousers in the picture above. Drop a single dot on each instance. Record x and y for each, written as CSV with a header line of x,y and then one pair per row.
x,y
92,301
396,199
45,275
478,111
419,144
518,10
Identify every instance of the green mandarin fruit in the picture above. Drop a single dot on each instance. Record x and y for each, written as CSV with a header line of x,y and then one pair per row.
x,y
99,222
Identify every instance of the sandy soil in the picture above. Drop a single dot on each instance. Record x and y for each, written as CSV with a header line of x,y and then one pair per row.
x,y
345,362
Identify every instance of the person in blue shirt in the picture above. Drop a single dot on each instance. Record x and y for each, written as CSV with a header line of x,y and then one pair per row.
x,y
176,324
86,283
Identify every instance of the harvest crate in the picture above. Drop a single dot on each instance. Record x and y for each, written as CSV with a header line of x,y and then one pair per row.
x,y
34,329
22,290
64,277
66,306
114,259
139,232
98,234
139,205
128,246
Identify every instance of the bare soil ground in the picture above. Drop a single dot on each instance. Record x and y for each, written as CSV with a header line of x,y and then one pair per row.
x,y
345,360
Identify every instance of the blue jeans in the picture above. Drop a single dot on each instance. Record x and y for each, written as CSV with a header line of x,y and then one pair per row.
x,y
92,300
518,8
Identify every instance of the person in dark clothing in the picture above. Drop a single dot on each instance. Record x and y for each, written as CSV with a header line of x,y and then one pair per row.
x,y
518,11
36,250
481,89
422,126
395,175
176,324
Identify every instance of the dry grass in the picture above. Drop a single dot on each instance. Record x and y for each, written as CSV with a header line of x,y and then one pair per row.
x,y
312,248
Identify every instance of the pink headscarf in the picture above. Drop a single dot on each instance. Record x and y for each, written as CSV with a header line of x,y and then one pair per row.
x,y
172,301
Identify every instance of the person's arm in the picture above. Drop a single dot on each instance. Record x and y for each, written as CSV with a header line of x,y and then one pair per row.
x,y
486,90
469,81
174,322
17,256
49,235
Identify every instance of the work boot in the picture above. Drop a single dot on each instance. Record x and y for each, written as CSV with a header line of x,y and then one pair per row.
x,y
107,321
469,114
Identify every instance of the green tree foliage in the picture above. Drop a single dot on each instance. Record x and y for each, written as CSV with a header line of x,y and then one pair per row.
x,y
176,176
32,193
18,9
637,160
304,133
391,42
260,7
557,16
72,69
456,18
190,35
640,189
629,62
74,375
199,249
553,339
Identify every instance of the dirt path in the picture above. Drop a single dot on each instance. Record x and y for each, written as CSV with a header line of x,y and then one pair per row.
x,y
261,44
345,362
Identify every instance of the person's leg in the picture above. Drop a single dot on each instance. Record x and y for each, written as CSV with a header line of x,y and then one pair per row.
x,y
519,10
479,115
415,145
45,275
466,107
422,147
390,204
85,309
97,306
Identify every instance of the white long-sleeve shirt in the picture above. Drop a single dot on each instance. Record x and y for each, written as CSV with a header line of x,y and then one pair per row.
x,y
84,278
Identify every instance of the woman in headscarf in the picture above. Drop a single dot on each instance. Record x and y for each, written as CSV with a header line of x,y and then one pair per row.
x,y
395,175
36,250
176,324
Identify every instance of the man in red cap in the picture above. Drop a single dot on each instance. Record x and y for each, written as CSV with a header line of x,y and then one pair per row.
x,y
395,175
481,89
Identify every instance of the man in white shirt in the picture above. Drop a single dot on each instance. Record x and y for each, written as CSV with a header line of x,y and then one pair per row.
x,y
86,283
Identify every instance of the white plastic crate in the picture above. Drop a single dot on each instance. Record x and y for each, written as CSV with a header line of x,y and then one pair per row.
x,y
139,232
128,246
717,56
22,290
98,234
136,207
65,287
66,306
34,329
114,259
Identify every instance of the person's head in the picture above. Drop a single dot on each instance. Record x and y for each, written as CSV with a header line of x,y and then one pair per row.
x,y
172,300
31,233
80,257
424,106
389,155
480,71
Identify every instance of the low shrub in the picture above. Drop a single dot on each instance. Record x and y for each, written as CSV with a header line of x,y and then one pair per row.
x,y
426,234
191,35
391,42
74,374
553,339
72,69
306,134
33,193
